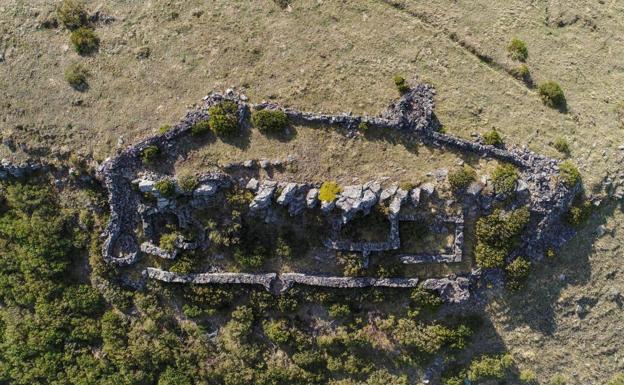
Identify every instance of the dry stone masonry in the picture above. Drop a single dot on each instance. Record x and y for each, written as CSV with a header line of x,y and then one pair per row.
x,y
411,115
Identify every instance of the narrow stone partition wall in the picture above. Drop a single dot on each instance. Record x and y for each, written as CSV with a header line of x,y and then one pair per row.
x,y
212,278
289,279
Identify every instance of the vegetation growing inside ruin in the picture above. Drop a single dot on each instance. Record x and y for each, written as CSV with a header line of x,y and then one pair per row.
x,y
328,191
84,40
224,118
517,49
149,154
493,138
497,234
505,178
76,75
200,127
461,178
552,94
269,121
188,182
517,273
166,187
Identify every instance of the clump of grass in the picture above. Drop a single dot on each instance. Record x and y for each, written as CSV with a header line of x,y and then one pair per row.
x,y
149,154
517,49
517,272
200,128
523,73
76,75
462,177
493,138
164,128
224,118
552,94
85,40
401,84
328,191
166,187
269,121
570,175
579,212
71,14
504,179
407,186
562,146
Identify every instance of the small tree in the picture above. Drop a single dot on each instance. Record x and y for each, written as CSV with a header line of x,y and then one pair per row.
x,y
552,94
517,49
401,84
85,40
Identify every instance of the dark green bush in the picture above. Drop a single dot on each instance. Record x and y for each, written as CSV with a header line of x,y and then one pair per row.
x,y
517,49
188,182
490,367
517,272
71,14
200,128
579,212
166,187
425,298
497,234
224,118
493,138
172,376
504,178
269,121
562,146
569,174
552,94
462,177
85,40
277,331
149,154
76,75
401,84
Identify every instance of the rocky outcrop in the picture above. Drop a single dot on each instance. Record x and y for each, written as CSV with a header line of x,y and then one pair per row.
x,y
450,290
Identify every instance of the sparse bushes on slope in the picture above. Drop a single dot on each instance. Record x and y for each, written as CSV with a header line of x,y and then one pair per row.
x,y
552,94
84,40
517,49
224,118
269,121
76,75
71,14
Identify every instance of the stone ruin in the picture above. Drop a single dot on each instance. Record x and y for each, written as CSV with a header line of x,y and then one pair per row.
x,y
411,115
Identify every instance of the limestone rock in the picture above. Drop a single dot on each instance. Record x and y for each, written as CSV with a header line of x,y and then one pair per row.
x,y
262,200
253,184
397,201
415,196
206,190
388,192
288,193
312,198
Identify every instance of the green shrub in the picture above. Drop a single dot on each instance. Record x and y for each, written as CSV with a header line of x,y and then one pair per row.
x,y
164,128
497,234
328,191
493,138
76,75
523,73
384,377
166,187
71,14
363,127
528,377
552,94
85,40
253,258
517,272
569,174
490,367
517,49
269,121
168,241
172,376
406,186
562,146
149,154
425,298
504,179
277,331
352,264
579,212
338,310
224,118
200,128
557,380
462,177
188,182
401,84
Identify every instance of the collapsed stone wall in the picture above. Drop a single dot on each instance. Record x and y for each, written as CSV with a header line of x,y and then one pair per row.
x,y
411,114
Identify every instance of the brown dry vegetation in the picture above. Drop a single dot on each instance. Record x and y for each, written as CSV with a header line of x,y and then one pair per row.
x,y
341,56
